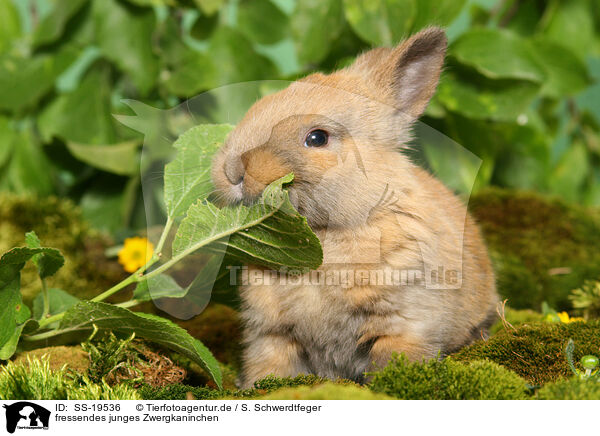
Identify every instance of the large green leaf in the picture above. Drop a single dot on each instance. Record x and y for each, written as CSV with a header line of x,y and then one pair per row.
x,y
570,173
571,23
187,177
380,22
270,232
122,158
86,314
53,24
124,34
436,12
498,54
235,58
10,25
7,140
315,26
15,315
565,73
261,21
192,73
478,98
83,115
12,306
25,80
29,169
209,7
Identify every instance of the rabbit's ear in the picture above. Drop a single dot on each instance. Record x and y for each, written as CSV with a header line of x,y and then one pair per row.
x,y
407,74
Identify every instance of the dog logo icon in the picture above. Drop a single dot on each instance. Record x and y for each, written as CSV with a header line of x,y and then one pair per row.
x,y
26,415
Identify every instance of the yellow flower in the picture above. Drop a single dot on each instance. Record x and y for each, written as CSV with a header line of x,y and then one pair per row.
x,y
136,252
564,317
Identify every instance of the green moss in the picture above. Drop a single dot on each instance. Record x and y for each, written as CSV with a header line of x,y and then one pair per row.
x,y
271,383
570,389
541,248
73,357
110,356
516,317
261,388
59,224
326,391
536,352
448,380
183,392
35,380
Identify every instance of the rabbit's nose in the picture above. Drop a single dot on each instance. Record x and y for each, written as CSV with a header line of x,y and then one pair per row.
x,y
234,171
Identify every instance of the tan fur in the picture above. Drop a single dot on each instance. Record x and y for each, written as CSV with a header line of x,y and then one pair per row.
x,y
373,211
261,168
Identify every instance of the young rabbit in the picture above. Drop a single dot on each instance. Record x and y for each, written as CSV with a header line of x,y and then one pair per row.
x,y
374,211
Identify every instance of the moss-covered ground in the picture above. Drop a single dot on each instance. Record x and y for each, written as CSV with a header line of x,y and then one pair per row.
x,y
542,249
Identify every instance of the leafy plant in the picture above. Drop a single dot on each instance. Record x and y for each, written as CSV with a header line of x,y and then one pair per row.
x,y
587,298
35,380
260,232
520,90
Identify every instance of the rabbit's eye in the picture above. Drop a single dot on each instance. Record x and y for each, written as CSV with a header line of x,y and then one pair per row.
x,y
316,138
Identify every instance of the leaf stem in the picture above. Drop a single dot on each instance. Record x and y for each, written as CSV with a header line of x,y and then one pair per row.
x,y
165,266
133,278
116,288
46,298
44,335
163,236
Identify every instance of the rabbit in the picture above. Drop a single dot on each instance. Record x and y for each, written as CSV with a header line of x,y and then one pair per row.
x,y
343,136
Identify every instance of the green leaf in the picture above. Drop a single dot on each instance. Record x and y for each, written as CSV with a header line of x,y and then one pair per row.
x,y
192,73
236,59
162,285
86,314
10,347
315,26
102,203
187,177
49,261
436,13
572,25
25,80
14,314
60,301
380,22
10,24
11,303
486,99
570,173
498,54
83,115
261,21
565,73
129,47
204,26
211,281
52,25
122,158
269,233
209,7
29,169
7,139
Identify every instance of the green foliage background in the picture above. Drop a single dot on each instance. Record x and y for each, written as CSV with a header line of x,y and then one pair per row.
x,y
520,89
